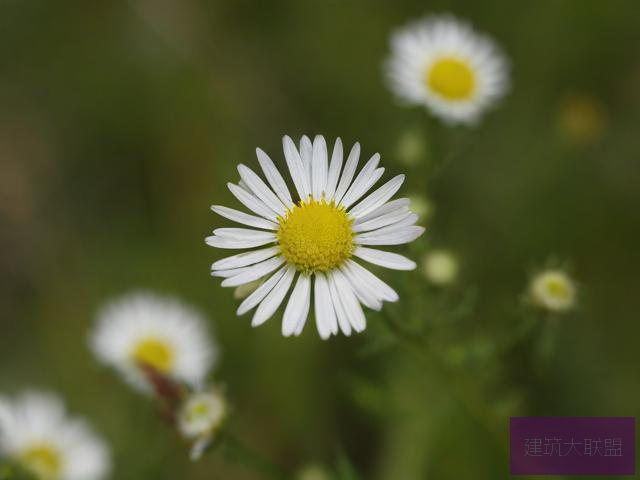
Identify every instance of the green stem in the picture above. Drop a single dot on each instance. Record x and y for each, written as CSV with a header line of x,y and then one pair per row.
x,y
235,450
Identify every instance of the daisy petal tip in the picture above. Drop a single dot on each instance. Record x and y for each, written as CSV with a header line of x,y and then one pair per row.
x,y
359,328
257,321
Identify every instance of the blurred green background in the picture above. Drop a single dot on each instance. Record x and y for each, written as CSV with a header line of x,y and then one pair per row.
x,y
121,122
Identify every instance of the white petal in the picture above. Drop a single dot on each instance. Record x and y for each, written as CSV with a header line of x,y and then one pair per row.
x,y
273,300
389,236
235,243
306,154
319,167
296,168
389,219
397,204
384,259
350,303
334,170
347,173
256,297
256,271
296,306
244,218
274,178
326,321
244,233
364,188
365,295
361,180
377,174
341,314
245,258
252,202
305,313
377,198
384,291
261,190
232,272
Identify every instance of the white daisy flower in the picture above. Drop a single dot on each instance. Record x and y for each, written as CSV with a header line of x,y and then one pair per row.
x,y
553,290
37,434
440,267
200,417
442,63
143,330
202,413
309,241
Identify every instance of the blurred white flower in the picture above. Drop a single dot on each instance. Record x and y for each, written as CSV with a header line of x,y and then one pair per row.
x,y
442,63
314,237
37,434
200,417
553,290
440,267
202,413
142,331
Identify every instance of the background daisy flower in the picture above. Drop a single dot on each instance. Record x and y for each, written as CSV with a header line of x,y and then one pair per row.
x,y
553,290
440,267
310,240
143,330
441,63
200,416
37,434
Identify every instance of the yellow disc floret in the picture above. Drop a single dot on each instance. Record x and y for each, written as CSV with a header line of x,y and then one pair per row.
x,y
154,353
451,78
316,236
43,460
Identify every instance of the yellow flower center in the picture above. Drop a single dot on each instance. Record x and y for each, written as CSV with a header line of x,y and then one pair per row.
x,y
558,288
43,460
198,410
154,353
451,78
316,236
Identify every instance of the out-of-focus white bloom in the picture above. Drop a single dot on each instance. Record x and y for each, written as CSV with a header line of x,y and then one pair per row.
x,y
421,206
200,417
310,242
553,290
440,267
202,413
143,330
37,434
442,63
313,472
